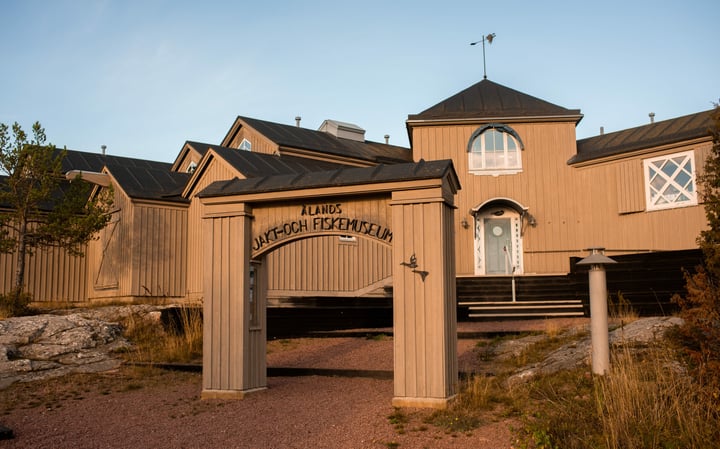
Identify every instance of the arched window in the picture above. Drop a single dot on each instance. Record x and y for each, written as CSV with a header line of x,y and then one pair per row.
x,y
495,149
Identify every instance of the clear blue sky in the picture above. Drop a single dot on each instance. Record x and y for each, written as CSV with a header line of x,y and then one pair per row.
x,y
142,77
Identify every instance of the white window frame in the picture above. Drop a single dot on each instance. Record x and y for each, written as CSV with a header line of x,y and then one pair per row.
x,y
477,152
655,199
245,145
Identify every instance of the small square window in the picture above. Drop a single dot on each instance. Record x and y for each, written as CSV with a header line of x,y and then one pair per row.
x,y
246,145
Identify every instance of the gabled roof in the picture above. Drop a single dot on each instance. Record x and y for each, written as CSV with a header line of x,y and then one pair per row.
x,y
665,132
150,183
81,160
334,178
325,143
138,178
489,100
253,164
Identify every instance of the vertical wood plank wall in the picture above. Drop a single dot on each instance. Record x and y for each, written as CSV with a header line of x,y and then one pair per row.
x,y
51,275
217,170
233,352
319,265
575,207
425,337
160,252
113,248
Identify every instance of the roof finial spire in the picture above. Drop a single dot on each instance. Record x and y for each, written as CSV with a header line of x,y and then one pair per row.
x,y
489,38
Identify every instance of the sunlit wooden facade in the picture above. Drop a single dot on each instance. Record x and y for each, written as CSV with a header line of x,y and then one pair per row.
x,y
530,199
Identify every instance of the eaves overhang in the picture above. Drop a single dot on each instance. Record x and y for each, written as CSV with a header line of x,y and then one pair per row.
x,y
381,178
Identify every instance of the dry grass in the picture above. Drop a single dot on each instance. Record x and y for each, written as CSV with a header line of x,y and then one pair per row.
x,y
180,342
621,310
648,401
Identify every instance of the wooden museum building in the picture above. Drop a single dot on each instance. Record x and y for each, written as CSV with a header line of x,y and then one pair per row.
x,y
519,200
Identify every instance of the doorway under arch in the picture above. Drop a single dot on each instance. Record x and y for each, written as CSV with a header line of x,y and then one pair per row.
x,y
498,239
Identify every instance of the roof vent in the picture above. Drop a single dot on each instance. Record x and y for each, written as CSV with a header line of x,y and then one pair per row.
x,y
297,120
103,148
343,130
602,130
652,117
387,139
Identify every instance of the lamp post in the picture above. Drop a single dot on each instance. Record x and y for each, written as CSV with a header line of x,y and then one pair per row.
x,y
489,38
598,309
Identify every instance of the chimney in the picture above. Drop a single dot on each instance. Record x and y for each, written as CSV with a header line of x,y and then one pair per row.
x,y
297,121
602,130
103,148
387,139
652,117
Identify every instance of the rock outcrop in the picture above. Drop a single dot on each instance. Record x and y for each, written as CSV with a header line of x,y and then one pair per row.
x,y
640,332
51,345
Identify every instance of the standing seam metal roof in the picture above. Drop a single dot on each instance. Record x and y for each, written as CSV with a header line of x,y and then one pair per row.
x,y
487,99
332,178
665,132
322,142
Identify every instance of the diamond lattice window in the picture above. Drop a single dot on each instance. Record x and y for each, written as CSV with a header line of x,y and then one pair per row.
x,y
670,181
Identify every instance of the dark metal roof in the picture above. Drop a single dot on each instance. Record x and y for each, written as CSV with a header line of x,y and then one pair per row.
x,y
670,131
150,183
322,142
253,165
487,99
80,160
139,178
332,178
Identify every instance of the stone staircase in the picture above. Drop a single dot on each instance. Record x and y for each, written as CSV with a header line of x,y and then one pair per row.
x,y
491,297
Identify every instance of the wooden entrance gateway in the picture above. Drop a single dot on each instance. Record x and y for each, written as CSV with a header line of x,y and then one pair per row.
x,y
409,207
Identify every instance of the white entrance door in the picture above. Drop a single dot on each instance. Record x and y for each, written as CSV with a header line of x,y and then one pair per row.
x,y
498,246
498,243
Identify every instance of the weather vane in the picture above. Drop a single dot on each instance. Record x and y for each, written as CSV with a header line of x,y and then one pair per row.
x,y
489,38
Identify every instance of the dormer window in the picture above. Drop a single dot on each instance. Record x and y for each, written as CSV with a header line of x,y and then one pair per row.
x,y
191,167
246,145
493,150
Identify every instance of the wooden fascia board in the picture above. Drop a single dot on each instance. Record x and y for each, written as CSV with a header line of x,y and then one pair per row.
x,y
509,119
210,155
180,157
659,150
168,204
367,189
115,184
237,124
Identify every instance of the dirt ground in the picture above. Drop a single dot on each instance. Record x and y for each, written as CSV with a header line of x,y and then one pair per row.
x,y
149,408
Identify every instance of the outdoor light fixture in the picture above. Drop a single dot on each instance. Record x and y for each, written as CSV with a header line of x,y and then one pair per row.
x,y
464,223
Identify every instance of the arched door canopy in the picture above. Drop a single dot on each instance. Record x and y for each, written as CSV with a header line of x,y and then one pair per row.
x,y
525,216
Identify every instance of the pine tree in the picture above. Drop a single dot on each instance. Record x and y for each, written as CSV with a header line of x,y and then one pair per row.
x,y
38,209
700,308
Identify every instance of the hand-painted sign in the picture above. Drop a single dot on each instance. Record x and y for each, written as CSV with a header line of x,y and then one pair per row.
x,y
324,219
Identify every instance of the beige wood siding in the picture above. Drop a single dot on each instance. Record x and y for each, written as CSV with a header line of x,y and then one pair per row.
x,y
51,275
317,265
217,170
159,251
110,255
575,207
260,143
630,186
320,265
